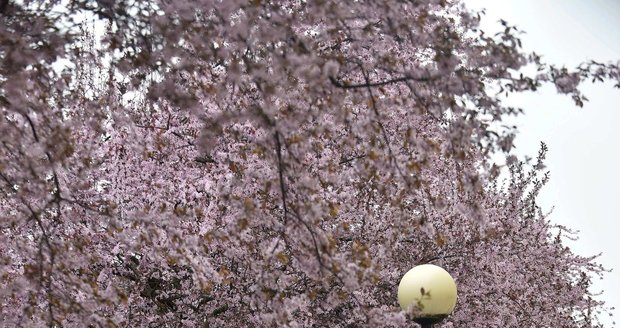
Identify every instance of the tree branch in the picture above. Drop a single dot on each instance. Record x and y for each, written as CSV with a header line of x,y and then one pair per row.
x,y
368,84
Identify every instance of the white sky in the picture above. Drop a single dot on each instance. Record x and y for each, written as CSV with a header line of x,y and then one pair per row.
x,y
584,149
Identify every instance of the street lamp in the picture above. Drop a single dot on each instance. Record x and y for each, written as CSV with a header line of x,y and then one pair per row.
x,y
431,290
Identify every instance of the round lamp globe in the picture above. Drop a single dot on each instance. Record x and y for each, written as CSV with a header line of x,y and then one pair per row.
x,y
428,288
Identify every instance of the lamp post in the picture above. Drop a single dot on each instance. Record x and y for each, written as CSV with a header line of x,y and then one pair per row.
x,y
431,290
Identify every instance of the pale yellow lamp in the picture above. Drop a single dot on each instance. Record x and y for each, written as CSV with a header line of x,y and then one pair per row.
x,y
429,292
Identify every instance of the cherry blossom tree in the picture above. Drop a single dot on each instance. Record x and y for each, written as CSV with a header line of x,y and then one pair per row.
x,y
272,163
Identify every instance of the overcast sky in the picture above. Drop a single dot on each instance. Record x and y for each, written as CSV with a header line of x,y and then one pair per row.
x,y
584,148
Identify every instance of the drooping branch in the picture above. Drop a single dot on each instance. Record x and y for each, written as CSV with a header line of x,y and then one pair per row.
x,y
281,175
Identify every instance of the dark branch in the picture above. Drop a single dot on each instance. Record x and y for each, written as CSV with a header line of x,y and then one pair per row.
x,y
351,159
369,84
281,175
